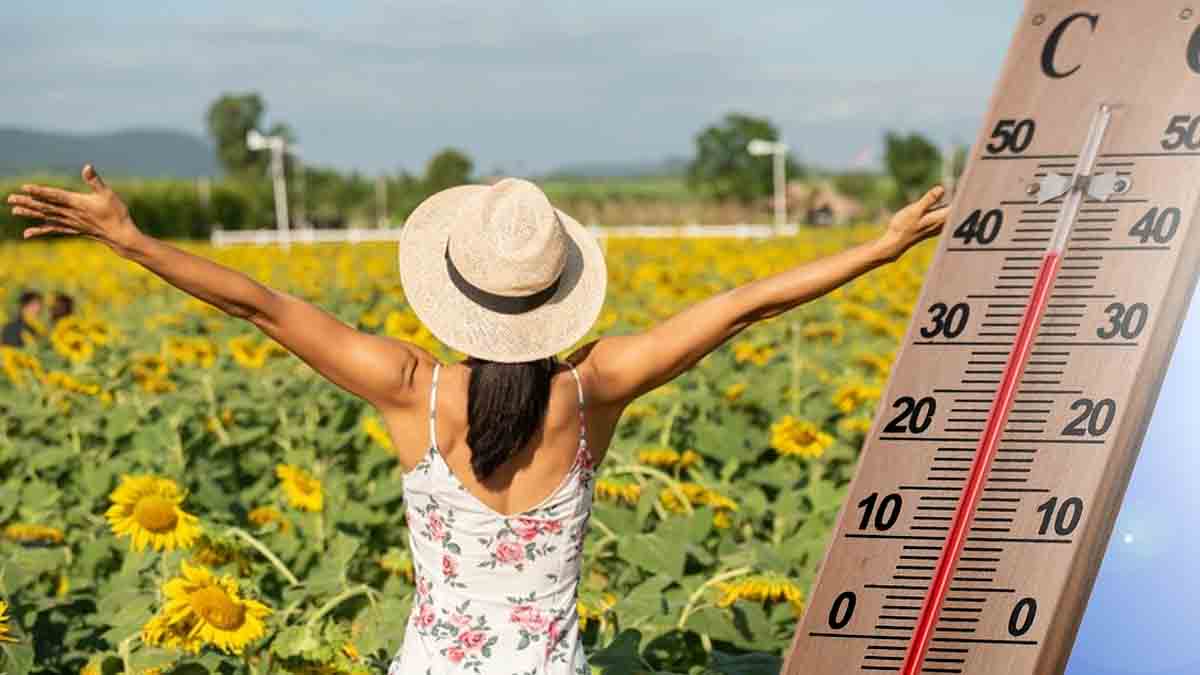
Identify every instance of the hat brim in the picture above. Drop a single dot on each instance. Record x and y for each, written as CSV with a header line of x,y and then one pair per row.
x,y
462,324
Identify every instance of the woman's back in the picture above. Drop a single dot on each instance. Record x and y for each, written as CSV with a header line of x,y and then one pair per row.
x,y
497,588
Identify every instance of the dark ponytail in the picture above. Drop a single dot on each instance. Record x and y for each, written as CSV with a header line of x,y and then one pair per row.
x,y
506,405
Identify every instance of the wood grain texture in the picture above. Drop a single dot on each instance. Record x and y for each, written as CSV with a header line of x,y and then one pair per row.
x,y
1134,56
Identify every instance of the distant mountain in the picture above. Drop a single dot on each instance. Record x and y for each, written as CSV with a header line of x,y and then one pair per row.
x,y
133,152
671,166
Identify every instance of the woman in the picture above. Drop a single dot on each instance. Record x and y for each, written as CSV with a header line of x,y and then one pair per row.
x,y
500,449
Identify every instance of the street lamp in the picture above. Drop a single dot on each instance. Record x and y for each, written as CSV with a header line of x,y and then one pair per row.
x,y
278,146
759,148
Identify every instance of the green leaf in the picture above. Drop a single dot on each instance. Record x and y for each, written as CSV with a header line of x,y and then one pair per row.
x,y
151,657
654,553
621,656
745,664
646,503
293,641
18,658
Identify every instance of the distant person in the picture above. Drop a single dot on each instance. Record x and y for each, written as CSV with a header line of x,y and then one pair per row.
x,y
29,306
499,462
62,306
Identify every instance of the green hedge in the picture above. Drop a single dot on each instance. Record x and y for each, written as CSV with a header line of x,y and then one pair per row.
x,y
166,207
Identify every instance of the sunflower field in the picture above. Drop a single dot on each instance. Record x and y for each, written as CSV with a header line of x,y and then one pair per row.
x,y
179,494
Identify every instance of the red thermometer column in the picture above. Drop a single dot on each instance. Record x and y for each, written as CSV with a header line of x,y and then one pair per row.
x,y
998,414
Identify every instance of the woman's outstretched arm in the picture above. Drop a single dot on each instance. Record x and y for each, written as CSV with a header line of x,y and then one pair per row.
x,y
628,366
375,368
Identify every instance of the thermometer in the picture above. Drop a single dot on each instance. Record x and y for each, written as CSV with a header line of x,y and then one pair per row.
x,y
988,486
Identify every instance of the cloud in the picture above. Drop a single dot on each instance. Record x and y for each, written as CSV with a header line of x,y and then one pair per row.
x,y
378,85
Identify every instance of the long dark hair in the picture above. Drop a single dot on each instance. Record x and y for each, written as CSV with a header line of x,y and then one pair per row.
x,y
506,405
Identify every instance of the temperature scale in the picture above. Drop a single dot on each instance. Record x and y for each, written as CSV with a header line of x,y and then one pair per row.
x,y
990,481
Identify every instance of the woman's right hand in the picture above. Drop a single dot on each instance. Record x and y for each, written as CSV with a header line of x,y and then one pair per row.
x,y
99,214
915,223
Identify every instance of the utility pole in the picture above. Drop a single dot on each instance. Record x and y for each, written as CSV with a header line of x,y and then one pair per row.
x,y
301,194
759,147
278,147
381,201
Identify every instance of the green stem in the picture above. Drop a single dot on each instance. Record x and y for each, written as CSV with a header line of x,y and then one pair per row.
x,y
123,652
179,458
699,592
795,326
337,600
670,482
664,438
262,548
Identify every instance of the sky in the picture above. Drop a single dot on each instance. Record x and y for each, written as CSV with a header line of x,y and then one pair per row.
x,y
1141,618
380,85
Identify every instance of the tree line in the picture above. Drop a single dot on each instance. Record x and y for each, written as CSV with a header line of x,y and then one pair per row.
x,y
721,170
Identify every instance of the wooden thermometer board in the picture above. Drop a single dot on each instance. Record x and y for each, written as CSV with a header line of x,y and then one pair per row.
x,y
988,486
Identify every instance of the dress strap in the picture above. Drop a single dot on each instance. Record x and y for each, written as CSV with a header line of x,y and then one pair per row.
x,y
584,453
433,407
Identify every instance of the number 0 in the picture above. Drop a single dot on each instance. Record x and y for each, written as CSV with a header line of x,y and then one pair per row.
x,y
1021,619
842,610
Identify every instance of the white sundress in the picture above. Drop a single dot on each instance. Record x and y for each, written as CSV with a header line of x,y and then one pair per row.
x,y
495,594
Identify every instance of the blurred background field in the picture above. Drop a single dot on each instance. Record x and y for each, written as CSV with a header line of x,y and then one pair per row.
x,y
180,495
278,497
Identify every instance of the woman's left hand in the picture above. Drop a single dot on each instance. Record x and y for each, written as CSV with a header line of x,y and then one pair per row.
x,y
99,214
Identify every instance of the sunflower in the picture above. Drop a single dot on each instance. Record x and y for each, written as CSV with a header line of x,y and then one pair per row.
x,y
398,562
854,426
25,533
613,491
159,631
150,371
213,552
825,329
64,381
638,411
18,364
369,319
146,508
99,332
880,364
667,457
246,353
660,457
696,495
593,610
849,397
762,588
72,344
4,629
92,668
265,515
401,324
734,391
374,428
190,351
201,608
791,436
302,490
757,354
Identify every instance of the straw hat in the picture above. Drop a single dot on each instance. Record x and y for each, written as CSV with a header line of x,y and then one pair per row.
x,y
500,274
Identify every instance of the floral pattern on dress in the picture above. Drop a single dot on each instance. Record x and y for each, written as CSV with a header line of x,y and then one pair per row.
x,y
494,593
518,542
436,524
